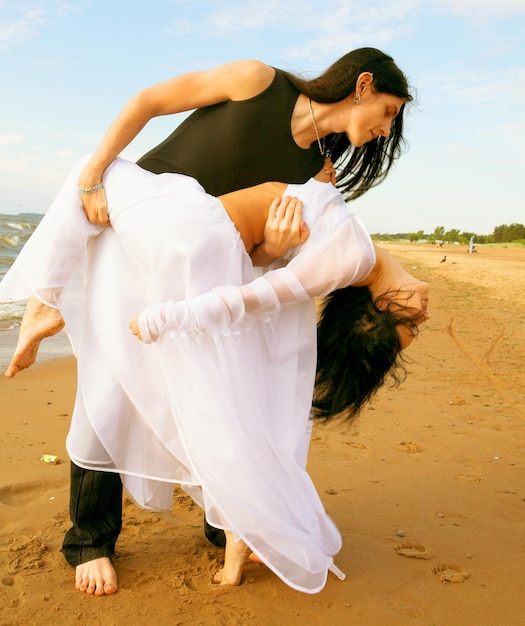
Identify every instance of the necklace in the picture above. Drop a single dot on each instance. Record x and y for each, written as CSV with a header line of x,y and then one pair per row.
x,y
321,145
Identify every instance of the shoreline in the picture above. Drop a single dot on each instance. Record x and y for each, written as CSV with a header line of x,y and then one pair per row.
x,y
56,347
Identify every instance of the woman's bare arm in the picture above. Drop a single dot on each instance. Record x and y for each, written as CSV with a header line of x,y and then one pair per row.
x,y
234,81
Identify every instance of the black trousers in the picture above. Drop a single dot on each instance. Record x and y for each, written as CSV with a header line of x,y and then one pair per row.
x,y
95,508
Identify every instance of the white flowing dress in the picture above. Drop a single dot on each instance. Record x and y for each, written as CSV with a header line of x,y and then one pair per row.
x,y
220,403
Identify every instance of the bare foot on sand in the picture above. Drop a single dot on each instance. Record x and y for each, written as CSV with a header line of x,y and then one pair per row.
x,y
39,322
97,577
234,560
255,559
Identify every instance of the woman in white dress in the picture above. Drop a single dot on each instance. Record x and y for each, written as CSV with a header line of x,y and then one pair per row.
x,y
219,398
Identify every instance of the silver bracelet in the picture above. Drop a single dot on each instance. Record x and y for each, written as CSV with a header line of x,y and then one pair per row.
x,y
92,189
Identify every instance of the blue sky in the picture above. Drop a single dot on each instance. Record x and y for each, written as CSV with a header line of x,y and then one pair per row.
x,y
67,68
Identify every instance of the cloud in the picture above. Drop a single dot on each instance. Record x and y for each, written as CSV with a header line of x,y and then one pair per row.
x,y
499,92
21,20
223,17
46,172
11,139
20,26
345,25
461,150
496,90
354,18
351,24
471,8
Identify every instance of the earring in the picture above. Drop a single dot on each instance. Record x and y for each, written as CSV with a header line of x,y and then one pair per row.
x,y
357,99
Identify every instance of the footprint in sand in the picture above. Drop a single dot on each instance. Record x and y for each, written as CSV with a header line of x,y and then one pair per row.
x,y
449,573
20,494
406,608
408,446
28,554
355,444
10,599
413,550
469,477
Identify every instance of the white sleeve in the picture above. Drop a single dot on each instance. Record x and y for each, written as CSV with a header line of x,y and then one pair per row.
x,y
338,253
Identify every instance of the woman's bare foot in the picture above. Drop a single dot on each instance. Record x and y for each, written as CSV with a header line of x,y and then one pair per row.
x,y
255,559
97,577
39,322
234,560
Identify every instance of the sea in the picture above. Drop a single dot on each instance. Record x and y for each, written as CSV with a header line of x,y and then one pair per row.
x,y
15,230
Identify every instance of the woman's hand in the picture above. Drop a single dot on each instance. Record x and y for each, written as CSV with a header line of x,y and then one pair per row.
x,y
95,207
213,313
94,203
284,229
134,326
328,173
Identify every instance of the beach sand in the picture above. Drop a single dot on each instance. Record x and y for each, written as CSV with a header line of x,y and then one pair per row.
x,y
427,488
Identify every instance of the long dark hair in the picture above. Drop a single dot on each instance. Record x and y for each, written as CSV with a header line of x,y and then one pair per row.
x,y
358,349
364,167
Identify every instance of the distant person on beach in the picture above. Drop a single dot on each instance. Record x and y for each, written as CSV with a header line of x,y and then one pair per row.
x,y
253,124
220,402
471,245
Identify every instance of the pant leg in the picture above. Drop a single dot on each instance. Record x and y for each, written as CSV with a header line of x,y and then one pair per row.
x,y
95,509
214,535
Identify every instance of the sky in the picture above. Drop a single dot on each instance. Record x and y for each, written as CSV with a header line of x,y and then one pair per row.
x,y
67,67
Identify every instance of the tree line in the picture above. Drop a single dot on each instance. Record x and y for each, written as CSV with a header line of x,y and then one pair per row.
x,y
511,233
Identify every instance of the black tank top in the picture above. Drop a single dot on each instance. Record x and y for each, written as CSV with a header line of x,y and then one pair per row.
x,y
237,144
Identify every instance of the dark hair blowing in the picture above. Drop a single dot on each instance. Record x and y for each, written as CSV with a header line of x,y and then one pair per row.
x,y
368,165
358,348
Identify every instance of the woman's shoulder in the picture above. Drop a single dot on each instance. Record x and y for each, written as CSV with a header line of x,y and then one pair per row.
x,y
246,78
315,191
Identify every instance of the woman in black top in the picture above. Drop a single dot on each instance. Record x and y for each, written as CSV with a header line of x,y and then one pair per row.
x,y
254,123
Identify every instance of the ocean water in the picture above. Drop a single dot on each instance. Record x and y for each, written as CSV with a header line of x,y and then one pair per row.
x,y
15,230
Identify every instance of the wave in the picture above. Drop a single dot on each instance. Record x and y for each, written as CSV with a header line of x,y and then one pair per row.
x,y
12,311
16,225
11,240
15,230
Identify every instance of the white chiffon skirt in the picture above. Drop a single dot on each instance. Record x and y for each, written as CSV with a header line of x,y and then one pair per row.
x,y
224,415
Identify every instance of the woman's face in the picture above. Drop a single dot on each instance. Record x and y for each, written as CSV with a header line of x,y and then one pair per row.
x,y
415,305
372,117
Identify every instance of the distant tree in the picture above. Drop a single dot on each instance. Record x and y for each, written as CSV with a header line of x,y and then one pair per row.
x,y
516,231
465,237
417,236
452,235
483,238
506,233
500,233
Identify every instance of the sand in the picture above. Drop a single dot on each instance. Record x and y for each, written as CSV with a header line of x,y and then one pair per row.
x,y
427,488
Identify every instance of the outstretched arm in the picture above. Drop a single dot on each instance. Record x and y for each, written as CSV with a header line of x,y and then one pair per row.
x,y
222,309
234,81
338,253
